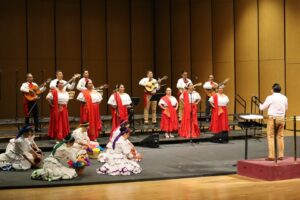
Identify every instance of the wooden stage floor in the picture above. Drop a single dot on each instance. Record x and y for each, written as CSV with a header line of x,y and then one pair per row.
x,y
231,187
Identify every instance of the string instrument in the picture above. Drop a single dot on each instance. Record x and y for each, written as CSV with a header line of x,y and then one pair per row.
x,y
35,91
224,82
210,92
197,84
101,87
72,93
153,84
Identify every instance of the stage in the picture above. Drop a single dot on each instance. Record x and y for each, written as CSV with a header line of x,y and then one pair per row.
x,y
170,161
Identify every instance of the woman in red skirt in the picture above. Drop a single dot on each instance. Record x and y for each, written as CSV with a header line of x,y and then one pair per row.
x,y
189,127
219,119
169,121
119,102
89,109
59,118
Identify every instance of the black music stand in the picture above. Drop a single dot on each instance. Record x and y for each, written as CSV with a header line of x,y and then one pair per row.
x,y
135,101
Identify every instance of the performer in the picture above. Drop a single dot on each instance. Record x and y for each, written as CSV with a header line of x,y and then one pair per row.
x,y
119,102
219,119
277,105
169,121
59,77
121,160
53,168
20,154
181,85
151,86
189,127
29,89
82,140
82,82
59,117
90,110
210,87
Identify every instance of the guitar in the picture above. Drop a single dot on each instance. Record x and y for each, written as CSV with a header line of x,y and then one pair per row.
x,y
74,77
35,91
224,82
197,84
210,92
101,87
152,85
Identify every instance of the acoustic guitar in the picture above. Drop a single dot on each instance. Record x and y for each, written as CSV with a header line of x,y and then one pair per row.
x,y
35,91
153,84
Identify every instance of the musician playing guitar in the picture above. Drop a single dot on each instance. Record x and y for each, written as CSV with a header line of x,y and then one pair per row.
x,y
59,77
210,88
31,91
82,82
151,86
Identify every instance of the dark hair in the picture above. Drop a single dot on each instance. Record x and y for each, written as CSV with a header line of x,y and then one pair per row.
x,y
57,83
119,85
149,71
184,71
276,88
57,71
69,138
86,83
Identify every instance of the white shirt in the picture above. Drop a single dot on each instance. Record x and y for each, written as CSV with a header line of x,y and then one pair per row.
x,y
96,97
181,84
81,84
126,100
195,96
223,100
173,100
25,87
145,80
63,97
69,86
277,105
208,85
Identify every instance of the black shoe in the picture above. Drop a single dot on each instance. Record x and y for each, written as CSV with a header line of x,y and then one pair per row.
x,y
38,130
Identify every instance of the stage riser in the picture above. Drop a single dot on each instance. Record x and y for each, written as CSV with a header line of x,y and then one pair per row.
x,y
268,170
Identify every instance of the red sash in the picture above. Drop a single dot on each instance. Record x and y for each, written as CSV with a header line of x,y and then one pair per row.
x,y
92,120
120,113
53,129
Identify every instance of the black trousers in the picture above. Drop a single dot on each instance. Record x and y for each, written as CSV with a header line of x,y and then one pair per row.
x,y
34,113
207,109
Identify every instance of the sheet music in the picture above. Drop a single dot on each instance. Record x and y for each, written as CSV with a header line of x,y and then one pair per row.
x,y
251,116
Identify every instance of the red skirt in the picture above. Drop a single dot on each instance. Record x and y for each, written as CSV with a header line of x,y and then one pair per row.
x,y
60,130
219,120
169,124
84,116
189,128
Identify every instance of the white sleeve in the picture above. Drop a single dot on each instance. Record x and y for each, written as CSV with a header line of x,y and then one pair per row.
x,y
71,86
198,96
24,87
49,96
179,85
127,99
266,104
80,97
211,99
162,102
111,100
43,89
207,86
286,103
100,98
126,149
143,82
81,85
53,84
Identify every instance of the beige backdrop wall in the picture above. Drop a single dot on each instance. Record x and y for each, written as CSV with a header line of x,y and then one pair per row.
x,y
253,42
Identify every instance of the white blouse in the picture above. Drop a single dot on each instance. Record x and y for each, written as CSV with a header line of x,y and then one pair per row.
x,y
66,153
195,96
96,97
69,86
63,97
181,84
223,100
173,100
81,137
126,100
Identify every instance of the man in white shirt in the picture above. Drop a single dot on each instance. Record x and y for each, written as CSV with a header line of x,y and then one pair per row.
x,y
145,82
82,82
182,83
277,105
59,77
27,88
209,86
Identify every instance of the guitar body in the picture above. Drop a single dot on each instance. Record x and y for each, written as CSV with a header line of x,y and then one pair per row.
x,y
150,86
210,92
34,94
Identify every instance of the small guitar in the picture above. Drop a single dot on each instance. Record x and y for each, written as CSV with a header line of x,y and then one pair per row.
x,y
224,82
197,84
35,91
101,87
74,77
152,85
